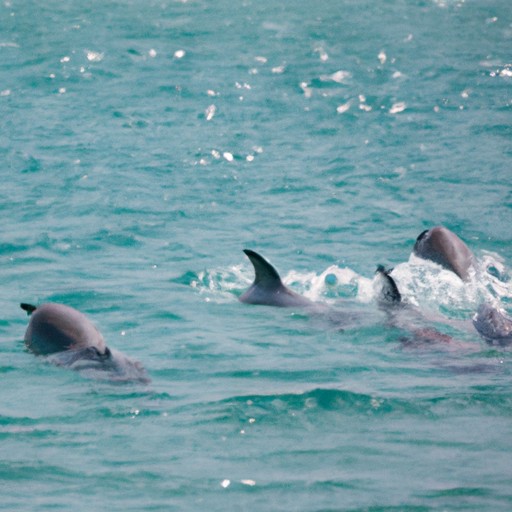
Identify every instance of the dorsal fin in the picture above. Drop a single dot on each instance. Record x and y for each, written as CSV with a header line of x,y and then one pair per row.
x,y
265,274
268,289
29,308
389,293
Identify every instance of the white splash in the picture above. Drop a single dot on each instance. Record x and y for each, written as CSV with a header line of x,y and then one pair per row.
x,y
339,77
428,285
397,107
210,112
341,109
94,56
308,91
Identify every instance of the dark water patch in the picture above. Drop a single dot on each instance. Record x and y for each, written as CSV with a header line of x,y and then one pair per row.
x,y
35,471
118,239
460,492
409,507
78,298
502,130
464,498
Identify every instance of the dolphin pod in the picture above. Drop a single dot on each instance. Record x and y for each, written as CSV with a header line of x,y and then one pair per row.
x,y
70,339
438,244
445,248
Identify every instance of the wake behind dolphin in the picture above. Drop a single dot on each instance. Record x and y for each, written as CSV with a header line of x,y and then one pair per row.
x,y
70,339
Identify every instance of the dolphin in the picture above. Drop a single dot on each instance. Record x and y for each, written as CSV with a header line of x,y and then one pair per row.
x,y
268,289
493,325
404,316
70,339
445,248
388,293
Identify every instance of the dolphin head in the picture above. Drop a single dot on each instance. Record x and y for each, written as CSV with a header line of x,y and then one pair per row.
x,y
54,328
445,248
70,339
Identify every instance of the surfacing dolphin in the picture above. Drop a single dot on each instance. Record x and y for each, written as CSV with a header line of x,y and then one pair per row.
x,y
402,315
493,325
388,293
442,246
445,248
268,289
70,339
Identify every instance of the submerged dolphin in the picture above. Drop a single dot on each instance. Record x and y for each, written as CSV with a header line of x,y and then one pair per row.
x,y
445,248
70,339
493,325
268,289
403,315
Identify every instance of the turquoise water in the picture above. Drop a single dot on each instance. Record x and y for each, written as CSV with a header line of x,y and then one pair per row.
x,y
145,144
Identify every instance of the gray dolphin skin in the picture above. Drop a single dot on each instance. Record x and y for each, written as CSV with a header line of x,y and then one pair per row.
x,y
268,289
388,293
493,325
404,316
70,339
55,327
445,248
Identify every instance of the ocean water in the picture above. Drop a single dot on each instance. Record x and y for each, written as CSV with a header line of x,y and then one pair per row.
x,y
145,144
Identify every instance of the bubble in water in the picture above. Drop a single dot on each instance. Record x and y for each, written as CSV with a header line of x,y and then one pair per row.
x,y
331,280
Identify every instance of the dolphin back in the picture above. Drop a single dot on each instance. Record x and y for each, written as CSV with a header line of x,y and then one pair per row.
x,y
445,248
267,288
55,328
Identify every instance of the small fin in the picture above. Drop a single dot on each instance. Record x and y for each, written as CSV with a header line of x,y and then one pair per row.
x,y
422,235
265,273
29,308
389,292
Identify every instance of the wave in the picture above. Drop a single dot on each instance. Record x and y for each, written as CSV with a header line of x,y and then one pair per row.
x,y
339,405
